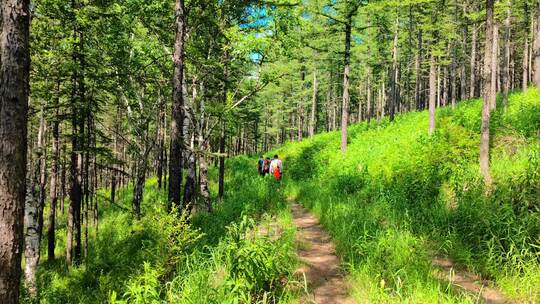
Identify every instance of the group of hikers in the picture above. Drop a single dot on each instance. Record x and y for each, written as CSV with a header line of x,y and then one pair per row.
x,y
272,167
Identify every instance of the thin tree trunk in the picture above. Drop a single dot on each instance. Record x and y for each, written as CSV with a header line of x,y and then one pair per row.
x,y
360,109
432,93
313,115
53,191
175,162
525,62
485,137
506,59
394,76
472,88
345,104
32,212
418,70
221,180
536,48
494,66
31,222
368,89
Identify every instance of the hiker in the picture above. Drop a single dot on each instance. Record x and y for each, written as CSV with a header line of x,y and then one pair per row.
x,y
260,166
276,168
267,166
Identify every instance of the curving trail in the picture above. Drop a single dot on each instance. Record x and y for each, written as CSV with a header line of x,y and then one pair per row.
x,y
320,263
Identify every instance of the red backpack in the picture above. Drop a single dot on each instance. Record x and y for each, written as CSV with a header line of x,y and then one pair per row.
x,y
277,172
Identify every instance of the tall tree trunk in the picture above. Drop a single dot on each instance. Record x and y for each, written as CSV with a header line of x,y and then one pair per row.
x,y
14,87
472,88
175,162
506,59
140,178
368,98
432,93
345,104
32,211
360,116
418,69
394,76
485,137
42,147
221,179
525,62
536,48
313,115
31,238
301,115
494,66
438,85
53,191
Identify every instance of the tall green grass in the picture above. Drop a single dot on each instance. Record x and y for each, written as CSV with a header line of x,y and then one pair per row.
x,y
398,197
216,258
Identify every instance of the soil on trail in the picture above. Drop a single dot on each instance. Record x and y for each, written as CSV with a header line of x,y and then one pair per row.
x,y
320,264
468,282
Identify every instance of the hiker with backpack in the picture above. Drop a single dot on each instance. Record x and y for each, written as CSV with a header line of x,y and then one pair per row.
x,y
266,167
260,166
276,168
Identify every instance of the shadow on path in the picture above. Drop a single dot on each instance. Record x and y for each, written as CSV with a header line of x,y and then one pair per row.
x,y
320,264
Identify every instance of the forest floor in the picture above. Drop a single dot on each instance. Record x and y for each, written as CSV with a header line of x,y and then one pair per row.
x,y
319,263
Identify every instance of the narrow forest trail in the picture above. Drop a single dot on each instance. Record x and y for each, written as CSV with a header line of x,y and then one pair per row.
x,y
320,264
468,282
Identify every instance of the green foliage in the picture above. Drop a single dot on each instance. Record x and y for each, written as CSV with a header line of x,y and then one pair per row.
x,y
399,197
217,258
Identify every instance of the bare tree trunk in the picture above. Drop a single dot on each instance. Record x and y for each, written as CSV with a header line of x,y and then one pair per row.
x,y
31,222
432,93
313,116
32,212
394,76
506,59
53,191
485,137
531,46
536,48
221,180
525,77
360,109
140,178
472,89
345,104
438,86
494,67
42,174
368,89
418,70
14,90
175,162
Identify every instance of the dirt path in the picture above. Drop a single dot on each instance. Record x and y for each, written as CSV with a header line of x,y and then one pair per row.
x,y
320,263
468,282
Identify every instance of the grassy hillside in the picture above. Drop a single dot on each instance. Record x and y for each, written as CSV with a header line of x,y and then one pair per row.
x,y
398,198
394,201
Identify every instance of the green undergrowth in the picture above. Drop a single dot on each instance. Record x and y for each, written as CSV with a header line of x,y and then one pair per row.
x,y
398,198
216,258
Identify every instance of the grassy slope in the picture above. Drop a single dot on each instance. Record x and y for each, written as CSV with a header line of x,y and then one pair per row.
x,y
398,197
395,199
